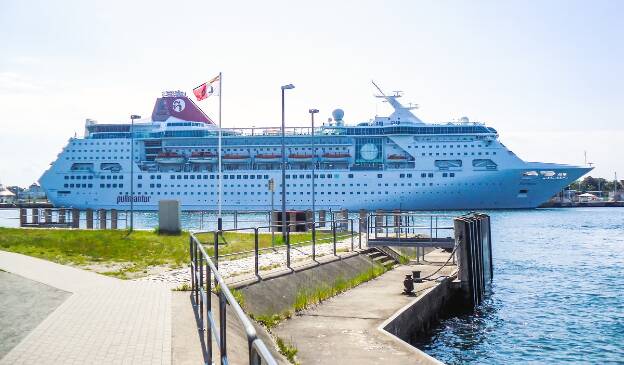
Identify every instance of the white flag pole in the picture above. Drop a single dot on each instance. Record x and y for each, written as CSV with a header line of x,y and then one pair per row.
x,y
220,176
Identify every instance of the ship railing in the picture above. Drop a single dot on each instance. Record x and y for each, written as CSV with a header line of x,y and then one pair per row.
x,y
203,272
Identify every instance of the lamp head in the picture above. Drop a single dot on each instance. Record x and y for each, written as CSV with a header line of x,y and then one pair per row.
x,y
134,116
313,111
288,87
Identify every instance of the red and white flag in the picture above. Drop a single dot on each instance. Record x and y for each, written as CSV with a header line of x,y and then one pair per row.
x,y
206,89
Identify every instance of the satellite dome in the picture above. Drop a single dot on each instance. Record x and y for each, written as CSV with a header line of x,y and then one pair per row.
x,y
464,119
338,114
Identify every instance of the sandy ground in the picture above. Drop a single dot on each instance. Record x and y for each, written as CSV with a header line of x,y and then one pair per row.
x,y
23,305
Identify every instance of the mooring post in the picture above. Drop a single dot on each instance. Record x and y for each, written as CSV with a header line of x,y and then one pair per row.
x,y
61,216
75,213
35,215
89,218
102,216
114,219
23,217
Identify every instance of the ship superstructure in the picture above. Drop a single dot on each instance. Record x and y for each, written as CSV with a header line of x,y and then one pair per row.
x,y
393,162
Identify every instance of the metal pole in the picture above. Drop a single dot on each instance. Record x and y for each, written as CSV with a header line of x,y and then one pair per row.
x,y
219,152
132,173
312,112
283,174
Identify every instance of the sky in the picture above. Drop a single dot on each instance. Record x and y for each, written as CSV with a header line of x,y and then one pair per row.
x,y
548,75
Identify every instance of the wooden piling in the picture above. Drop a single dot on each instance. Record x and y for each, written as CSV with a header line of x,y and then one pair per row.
x,y
75,214
89,218
102,216
61,216
114,219
23,217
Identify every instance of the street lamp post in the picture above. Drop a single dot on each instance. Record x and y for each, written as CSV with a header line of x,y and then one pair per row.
x,y
284,224
312,112
132,118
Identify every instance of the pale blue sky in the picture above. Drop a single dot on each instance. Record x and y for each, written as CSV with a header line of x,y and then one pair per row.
x,y
548,75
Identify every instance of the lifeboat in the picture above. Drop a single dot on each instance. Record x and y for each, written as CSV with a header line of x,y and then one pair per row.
x,y
300,157
233,158
203,157
398,158
268,157
169,158
337,156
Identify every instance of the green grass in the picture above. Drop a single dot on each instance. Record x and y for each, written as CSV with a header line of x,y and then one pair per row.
x,y
233,242
311,296
130,255
137,251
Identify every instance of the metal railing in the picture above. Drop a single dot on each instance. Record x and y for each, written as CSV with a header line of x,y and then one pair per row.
x,y
340,229
202,272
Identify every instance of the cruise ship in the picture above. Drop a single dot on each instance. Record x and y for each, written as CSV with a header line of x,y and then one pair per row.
x,y
388,162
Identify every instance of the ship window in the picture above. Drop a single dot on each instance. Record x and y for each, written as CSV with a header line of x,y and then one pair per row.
x,y
140,177
120,185
108,185
423,175
401,176
206,177
157,177
350,176
192,177
185,177
452,174
172,177
409,175
445,175
484,163
101,185
138,185
430,175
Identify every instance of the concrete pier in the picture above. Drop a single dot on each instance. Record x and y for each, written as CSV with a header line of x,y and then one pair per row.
x,y
349,328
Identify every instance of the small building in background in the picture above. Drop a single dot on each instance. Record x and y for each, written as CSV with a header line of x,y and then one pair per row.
x,y
587,197
33,193
6,196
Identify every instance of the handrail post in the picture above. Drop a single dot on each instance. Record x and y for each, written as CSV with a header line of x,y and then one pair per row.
x,y
334,233
314,241
256,250
216,249
208,312
351,220
192,261
200,287
195,262
222,325
287,245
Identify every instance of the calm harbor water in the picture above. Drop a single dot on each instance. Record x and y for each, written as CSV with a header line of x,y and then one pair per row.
x,y
558,291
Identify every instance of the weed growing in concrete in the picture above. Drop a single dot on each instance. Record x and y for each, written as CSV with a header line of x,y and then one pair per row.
x,y
270,320
287,349
307,297
183,287
237,294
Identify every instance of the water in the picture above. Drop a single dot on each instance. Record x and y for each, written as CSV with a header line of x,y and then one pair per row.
x,y
558,291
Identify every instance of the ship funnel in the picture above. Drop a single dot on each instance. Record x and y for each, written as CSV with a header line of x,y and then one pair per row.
x,y
177,104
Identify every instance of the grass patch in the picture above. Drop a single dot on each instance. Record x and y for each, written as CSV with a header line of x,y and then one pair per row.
x,y
234,242
270,320
136,251
183,287
288,350
311,296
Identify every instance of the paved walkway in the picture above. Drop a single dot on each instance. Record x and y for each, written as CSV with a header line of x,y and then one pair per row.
x,y
345,329
104,321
